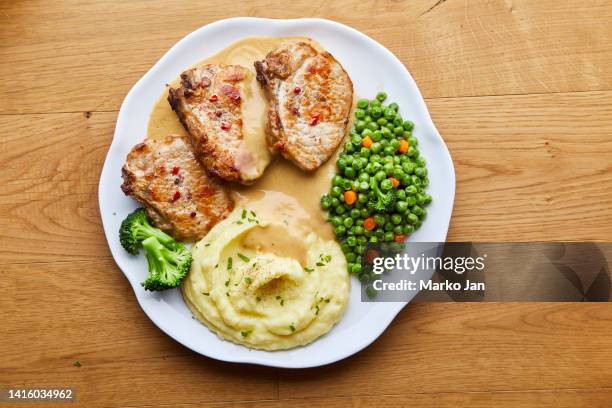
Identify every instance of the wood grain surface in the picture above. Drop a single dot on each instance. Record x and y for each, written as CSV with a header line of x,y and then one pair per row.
x,y
521,92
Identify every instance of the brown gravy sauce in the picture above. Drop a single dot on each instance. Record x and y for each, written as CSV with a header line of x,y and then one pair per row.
x,y
284,193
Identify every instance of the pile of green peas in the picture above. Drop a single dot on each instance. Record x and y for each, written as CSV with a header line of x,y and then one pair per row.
x,y
376,149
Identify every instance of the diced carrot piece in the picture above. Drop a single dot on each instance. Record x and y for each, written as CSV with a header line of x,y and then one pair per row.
x,y
350,197
367,142
399,238
403,147
369,223
394,181
371,254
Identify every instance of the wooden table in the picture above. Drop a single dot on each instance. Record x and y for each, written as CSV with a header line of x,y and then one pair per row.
x,y
520,90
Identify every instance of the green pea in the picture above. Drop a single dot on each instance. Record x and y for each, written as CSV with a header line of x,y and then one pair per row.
x,y
380,176
389,236
420,161
340,230
367,119
394,106
388,168
349,172
424,182
420,171
388,226
396,219
373,126
380,233
398,131
337,180
360,113
340,210
334,202
407,229
359,230
381,121
379,220
401,206
415,180
420,198
345,248
355,269
355,213
406,135
411,200
363,103
386,185
400,194
381,96
412,218
335,221
373,239
364,212
361,249
349,147
397,121
356,140
389,114
360,125
411,190
376,112
376,147
351,256
376,136
408,125
341,163
351,241
398,230
405,180
423,213
363,176
336,191
389,151
362,198
408,167
427,199
386,133
412,152
364,186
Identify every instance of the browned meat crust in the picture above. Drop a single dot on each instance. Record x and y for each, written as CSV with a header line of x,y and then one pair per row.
x,y
208,104
310,97
178,195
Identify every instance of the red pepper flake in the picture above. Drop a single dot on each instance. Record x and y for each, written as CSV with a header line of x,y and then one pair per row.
x,y
226,125
297,90
218,113
193,214
295,111
213,98
314,119
175,170
176,196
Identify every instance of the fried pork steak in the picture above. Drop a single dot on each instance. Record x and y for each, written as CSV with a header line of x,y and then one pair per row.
x,y
179,197
208,104
310,98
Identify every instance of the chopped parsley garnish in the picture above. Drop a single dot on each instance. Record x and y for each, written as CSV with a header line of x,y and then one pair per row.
x,y
277,297
77,363
323,260
253,213
239,222
207,245
206,293
244,214
308,269
282,302
320,264
248,280
246,333
243,257
230,263
227,282
292,327
258,299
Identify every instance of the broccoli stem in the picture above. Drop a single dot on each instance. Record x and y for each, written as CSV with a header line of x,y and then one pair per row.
x,y
146,230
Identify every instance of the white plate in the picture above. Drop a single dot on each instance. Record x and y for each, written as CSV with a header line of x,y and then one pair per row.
x,y
372,68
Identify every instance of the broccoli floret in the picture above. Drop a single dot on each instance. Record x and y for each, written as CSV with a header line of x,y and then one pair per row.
x,y
167,267
136,228
384,201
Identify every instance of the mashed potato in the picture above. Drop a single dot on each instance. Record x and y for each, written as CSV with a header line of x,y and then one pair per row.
x,y
266,283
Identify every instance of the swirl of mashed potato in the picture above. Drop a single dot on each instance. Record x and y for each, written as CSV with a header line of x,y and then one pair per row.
x,y
266,284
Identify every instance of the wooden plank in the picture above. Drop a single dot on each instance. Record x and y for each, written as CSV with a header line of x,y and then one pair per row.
x,y
84,56
528,168
468,347
592,398
59,312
